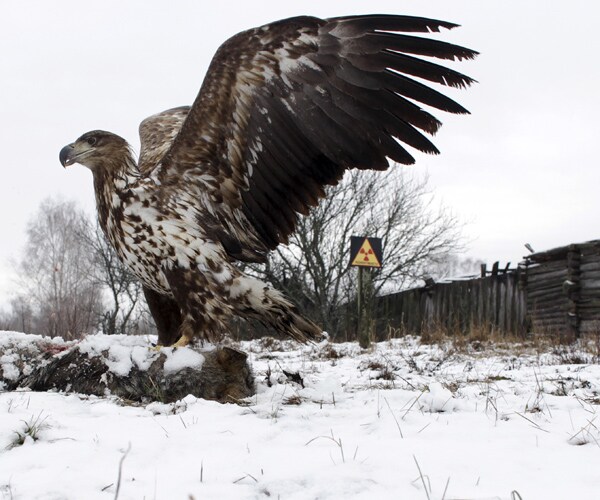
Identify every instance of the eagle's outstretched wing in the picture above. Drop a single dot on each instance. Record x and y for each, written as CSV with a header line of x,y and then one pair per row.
x,y
286,108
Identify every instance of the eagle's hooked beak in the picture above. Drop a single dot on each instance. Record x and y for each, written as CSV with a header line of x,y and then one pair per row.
x,y
66,155
72,153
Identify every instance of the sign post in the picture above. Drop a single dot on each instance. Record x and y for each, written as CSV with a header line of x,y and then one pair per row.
x,y
365,253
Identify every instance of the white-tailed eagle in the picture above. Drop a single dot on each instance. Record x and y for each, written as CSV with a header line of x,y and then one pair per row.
x,y
283,111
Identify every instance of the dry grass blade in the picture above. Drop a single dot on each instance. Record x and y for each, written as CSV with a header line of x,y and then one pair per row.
x,y
446,489
244,477
585,435
395,419
121,470
531,422
338,442
422,478
413,404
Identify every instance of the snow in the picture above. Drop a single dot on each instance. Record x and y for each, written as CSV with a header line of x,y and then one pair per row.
x,y
178,359
120,352
8,365
388,422
16,346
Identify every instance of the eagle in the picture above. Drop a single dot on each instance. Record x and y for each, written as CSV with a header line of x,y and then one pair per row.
x,y
284,110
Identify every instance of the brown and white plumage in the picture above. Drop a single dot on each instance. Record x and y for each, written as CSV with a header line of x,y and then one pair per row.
x,y
157,133
283,111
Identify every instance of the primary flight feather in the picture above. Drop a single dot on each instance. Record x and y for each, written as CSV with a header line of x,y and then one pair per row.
x,y
284,110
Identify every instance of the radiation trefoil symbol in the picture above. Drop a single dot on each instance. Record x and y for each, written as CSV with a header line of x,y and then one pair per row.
x,y
366,252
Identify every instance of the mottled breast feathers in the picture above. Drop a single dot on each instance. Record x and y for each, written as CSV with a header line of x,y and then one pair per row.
x,y
286,108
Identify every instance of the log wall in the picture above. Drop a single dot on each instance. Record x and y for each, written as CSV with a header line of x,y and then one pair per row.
x,y
563,289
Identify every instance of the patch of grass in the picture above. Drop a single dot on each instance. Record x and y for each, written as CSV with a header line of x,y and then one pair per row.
x,y
431,336
294,400
571,354
452,386
587,434
496,378
473,338
31,429
329,352
567,347
384,370
374,365
593,400
154,390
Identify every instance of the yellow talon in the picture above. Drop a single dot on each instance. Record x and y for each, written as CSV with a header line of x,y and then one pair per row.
x,y
182,342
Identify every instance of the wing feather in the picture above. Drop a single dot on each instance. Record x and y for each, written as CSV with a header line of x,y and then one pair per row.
x,y
286,108
157,133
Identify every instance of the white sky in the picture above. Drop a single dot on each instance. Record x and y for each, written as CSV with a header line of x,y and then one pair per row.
x,y
520,169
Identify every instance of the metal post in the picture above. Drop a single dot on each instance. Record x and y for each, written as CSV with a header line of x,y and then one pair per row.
x,y
359,303
364,305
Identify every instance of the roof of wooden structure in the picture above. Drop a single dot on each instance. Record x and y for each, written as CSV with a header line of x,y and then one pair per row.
x,y
560,252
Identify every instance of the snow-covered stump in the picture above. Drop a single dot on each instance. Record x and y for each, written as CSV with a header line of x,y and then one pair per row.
x,y
123,366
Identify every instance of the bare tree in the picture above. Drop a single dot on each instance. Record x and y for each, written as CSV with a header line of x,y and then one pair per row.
x,y
416,234
19,317
54,270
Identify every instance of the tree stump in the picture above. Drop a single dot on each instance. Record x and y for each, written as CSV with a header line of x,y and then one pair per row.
x,y
124,366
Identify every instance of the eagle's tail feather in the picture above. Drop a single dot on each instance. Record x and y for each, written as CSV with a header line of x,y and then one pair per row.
x,y
285,318
271,308
292,323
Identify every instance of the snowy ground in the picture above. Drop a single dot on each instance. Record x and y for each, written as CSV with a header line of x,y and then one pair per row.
x,y
402,421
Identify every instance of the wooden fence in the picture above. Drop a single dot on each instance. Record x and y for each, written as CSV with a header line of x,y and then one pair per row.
x,y
495,302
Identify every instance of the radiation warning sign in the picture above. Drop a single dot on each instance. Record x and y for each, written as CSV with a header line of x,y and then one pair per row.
x,y
365,251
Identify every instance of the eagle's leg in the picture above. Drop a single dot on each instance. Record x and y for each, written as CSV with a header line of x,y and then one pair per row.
x,y
253,298
187,332
166,314
201,305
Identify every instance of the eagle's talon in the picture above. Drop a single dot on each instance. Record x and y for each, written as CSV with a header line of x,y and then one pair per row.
x,y
182,342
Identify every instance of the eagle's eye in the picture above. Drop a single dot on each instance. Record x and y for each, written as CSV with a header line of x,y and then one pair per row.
x,y
91,140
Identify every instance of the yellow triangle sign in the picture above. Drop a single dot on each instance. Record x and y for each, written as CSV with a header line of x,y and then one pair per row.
x,y
366,256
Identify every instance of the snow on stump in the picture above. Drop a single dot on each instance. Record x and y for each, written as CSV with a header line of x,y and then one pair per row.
x,y
124,366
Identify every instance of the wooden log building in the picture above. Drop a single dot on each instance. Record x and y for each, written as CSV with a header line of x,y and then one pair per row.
x,y
563,289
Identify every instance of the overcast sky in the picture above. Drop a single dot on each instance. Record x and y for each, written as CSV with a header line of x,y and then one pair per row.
x,y
521,168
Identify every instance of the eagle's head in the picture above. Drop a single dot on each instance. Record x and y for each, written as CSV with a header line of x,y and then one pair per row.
x,y
97,150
